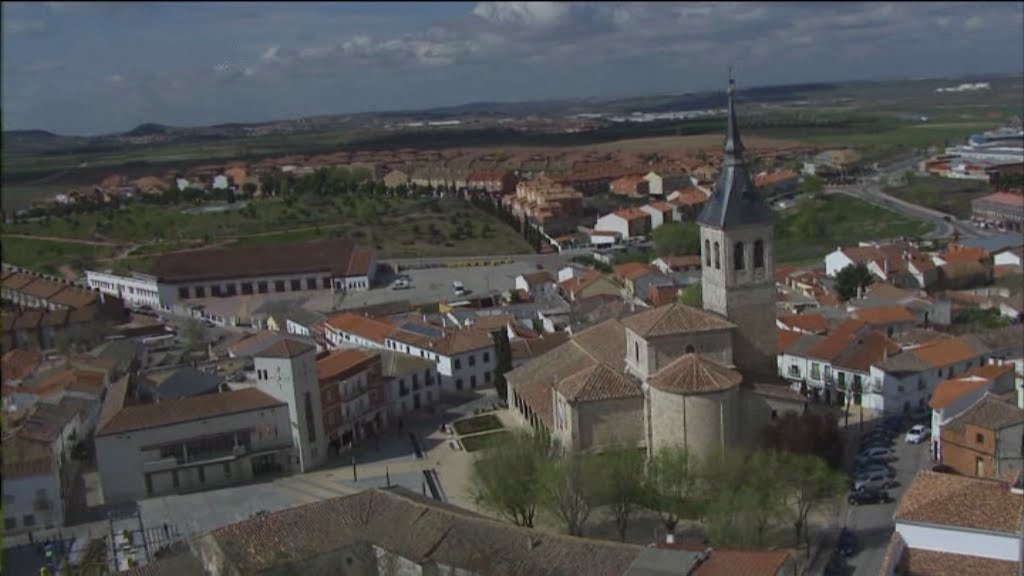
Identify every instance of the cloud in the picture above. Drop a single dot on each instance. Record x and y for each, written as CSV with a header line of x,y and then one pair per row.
x,y
531,14
270,54
42,66
974,22
14,26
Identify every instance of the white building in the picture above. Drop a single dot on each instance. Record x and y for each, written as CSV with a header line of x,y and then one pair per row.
x,y
182,183
135,290
412,383
1009,257
221,182
540,283
953,396
194,443
286,371
947,522
626,223
33,496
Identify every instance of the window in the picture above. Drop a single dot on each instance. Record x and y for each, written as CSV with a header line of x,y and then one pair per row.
x,y
30,520
296,284
310,283
472,360
183,292
8,499
815,371
737,256
202,475
174,478
326,283
636,350
458,364
310,426
689,349
10,523
487,357
227,470
261,287
472,381
458,384
707,253
979,438
230,290
215,291
775,415
759,254
200,292
718,260
278,285
487,376
247,288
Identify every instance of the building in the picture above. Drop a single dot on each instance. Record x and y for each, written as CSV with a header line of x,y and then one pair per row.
x,y
637,277
413,383
778,184
676,264
953,396
1002,208
661,213
287,372
986,440
26,289
396,531
665,182
335,264
196,443
396,178
33,493
688,201
948,525
898,263
536,284
626,223
588,285
492,181
632,186
353,395
134,290
542,198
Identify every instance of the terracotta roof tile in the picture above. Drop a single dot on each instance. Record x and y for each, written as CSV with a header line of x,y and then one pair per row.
x,y
918,562
810,323
42,288
989,412
786,338
286,348
938,353
961,502
884,315
74,297
735,562
141,417
341,364
632,214
866,350
524,348
373,329
18,364
948,391
598,382
695,374
634,270
539,277
674,319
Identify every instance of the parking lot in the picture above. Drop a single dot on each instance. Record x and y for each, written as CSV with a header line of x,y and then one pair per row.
x,y
873,523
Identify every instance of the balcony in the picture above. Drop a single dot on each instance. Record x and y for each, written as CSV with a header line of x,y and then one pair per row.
x,y
214,457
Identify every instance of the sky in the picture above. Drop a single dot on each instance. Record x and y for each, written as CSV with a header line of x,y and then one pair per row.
x,y
100,67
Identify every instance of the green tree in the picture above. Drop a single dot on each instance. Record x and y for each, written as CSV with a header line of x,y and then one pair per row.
x,y
622,484
851,280
672,486
507,476
809,483
193,336
692,295
677,239
570,489
812,184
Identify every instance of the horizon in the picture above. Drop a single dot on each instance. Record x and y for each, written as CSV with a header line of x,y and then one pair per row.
x,y
257,63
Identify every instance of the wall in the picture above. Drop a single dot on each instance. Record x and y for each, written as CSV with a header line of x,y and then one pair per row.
x,y
967,542
20,498
950,411
916,388
608,422
288,380
121,460
700,423
836,261
399,404
140,291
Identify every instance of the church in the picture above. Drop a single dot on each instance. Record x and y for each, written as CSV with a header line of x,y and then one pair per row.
x,y
676,375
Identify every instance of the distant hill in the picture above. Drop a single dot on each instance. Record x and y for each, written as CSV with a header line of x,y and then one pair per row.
x,y
148,129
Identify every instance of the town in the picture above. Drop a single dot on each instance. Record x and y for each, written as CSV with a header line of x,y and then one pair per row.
x,y
722,355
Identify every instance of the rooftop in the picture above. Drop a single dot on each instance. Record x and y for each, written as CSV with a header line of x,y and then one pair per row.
x,y
286,348
695,374
367,327
672,319
958,501
342,363
990,413
146,416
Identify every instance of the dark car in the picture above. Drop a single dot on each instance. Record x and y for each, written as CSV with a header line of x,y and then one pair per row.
x,y
847,543
836,565
868,496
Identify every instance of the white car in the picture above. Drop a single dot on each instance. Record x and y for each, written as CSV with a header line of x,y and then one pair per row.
x,y
400,284
917,434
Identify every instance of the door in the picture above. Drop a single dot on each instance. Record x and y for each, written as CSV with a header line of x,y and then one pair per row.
x,y
979,467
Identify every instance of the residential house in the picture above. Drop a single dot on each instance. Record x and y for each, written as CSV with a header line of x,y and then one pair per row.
x,y
803,323
536,284
587,285
661,213
949,525
676,264
627,223
778,184
353,395
33,493
630,274
688,202
986,440
631,186
347,330
221,182
465,357
953,396
905,381
492,181
412,383
1009,257
889,319
660,183
899,264
542,199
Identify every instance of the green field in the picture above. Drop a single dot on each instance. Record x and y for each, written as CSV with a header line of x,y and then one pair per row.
x,y
395,227
47,256
481,441
945,194
814,228
478,424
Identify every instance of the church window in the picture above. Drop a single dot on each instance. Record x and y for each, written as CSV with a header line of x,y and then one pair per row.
x,y
718,260
737,256
759,254
707,253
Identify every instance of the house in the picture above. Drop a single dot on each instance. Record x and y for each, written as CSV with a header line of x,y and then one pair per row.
x,y
660,183
412,383
899,264
688,202
675,264
540,283
803,323
627,223
661,213
887,319
985,440
633,274
492,181
905,381
948,525
220,182
396,178
33,492
631,186
587,285
145,450
1004,209
780,183
953,396
465,357
543,199
347,330
1010,257
353,395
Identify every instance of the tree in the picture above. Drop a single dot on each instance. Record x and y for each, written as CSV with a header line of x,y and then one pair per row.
x,y
570,489
851,280
807,220
808,433
192,334
676,239
812,184
507,476
693,295
810,483
622,484
672,486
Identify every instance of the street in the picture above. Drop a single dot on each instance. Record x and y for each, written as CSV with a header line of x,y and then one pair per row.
x,y
873,524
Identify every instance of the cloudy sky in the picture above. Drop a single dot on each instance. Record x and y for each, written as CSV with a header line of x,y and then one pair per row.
x,y
96,67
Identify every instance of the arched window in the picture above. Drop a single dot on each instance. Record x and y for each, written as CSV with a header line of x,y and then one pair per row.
x,y
737,256
707,253
759,254
689,349
718,260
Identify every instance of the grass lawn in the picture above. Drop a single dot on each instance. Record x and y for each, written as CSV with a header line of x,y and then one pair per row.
x,y
47,256
945,194
481,441
477,424
395,227
804,232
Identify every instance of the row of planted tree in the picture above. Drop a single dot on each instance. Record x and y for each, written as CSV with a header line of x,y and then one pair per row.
x,y
739,498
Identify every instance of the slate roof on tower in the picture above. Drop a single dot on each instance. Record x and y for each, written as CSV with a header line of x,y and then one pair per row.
x,y
735,201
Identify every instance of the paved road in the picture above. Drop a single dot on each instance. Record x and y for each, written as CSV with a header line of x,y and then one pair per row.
x,y
873,524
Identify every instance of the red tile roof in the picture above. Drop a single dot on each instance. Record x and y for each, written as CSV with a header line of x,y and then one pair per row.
x,y
884,315
373,329
286,348
810,323
18,363
786,338
168,412
1005,198
695,374
341,364
958,501
948,391
631,214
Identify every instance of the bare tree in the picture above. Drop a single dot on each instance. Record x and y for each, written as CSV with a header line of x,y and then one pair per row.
x,y
508,476
622,484
810,483
570,490
672,486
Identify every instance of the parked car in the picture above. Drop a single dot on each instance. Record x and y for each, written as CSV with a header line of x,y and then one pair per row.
x,y
400,284
836,565
917,434
874,468
879,481
875,442
847,543
868,496
875,452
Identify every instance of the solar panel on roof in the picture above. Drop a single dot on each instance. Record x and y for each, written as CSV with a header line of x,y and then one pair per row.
x,y
422,330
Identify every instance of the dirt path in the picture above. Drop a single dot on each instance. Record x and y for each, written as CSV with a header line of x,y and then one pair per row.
x,y
62,239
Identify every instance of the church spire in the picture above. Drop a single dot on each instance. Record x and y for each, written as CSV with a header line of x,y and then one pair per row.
x,y
735,201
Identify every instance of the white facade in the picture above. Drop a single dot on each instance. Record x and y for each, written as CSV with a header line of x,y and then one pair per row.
x,y
412,391
964,541
292,283
464,371
136,290
33,502
542,288
142,463
342,339
655,184
182,184
943,415
220,182
292,327
613,223
894,392
294,381
657,216
836,261
1007,258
